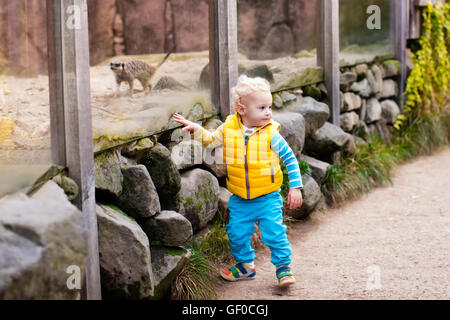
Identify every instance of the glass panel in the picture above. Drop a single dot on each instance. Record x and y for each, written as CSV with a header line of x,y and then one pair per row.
x,y
277,40
24,95
365,31
133,38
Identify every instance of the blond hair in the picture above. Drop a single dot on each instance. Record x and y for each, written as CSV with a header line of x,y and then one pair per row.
x,y
246,86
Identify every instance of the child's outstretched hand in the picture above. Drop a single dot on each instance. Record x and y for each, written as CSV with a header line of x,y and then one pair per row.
x,y
189,125
295,198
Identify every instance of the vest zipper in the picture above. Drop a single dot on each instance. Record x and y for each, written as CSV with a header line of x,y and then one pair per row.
x,y
247,182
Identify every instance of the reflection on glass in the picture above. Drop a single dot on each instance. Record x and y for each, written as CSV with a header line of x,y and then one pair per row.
x,y
364,31
277,40
162,51
24,95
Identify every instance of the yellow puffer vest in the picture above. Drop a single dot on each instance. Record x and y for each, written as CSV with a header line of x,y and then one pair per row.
x,y
253,169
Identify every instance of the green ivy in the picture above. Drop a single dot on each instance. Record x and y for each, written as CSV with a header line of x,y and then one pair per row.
x,y
427,86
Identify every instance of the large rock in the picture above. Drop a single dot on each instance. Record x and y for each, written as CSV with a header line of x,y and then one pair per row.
x,y
315,113
164,174
389,110
349,120
391,68
350,101
362,88
375,82
277,101
137,149
311,195
199,195
40,238
373,110
390,89
224,196
168,228
292,129
363,110
318,168
361,70
125,261
167,264
184,151
328,139
347,79
288,97
108,174
139,198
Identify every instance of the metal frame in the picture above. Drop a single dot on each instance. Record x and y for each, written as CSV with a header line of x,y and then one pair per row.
x,y
71,119
223,53
400,17
328,54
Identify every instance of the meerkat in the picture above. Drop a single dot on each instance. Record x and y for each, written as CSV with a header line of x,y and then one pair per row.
x,y
128,71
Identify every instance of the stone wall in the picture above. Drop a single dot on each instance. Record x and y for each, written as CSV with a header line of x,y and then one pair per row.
x,y
369,98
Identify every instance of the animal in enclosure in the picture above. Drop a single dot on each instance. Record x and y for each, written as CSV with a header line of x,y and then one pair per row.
x,y
128,71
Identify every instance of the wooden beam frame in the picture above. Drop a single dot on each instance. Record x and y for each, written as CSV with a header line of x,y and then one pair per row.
x,y
415,16
214,53
223,53
71,119
400,14
328,54
415,20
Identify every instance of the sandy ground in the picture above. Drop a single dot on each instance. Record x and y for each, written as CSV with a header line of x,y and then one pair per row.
x,y
392,243
25,117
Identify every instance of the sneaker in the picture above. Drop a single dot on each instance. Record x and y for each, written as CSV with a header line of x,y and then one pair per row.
x,y
285,276
239,272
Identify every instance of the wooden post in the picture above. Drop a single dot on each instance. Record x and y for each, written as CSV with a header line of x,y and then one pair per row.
x,y
415,20
328,54
71,120
214,53
223,53
415,16
401,30
57,127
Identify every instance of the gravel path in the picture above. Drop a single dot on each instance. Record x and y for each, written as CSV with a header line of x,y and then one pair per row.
x,y
392,243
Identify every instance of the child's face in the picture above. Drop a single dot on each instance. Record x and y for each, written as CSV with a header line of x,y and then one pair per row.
x,y
256,108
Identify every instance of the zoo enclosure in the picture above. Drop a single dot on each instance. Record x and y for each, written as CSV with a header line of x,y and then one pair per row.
x,y
70,91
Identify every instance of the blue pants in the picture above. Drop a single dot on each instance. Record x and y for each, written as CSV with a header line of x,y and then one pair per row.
x,y
267,210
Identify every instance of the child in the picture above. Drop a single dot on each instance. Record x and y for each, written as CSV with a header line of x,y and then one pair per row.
x,y
252,147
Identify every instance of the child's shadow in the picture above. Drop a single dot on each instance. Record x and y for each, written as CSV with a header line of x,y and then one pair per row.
x,y
282,292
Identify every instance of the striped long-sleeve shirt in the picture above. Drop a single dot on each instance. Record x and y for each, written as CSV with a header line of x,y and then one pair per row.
x,y
278,145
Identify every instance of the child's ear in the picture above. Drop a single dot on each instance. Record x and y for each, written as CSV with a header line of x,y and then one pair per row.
x,y
240,108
